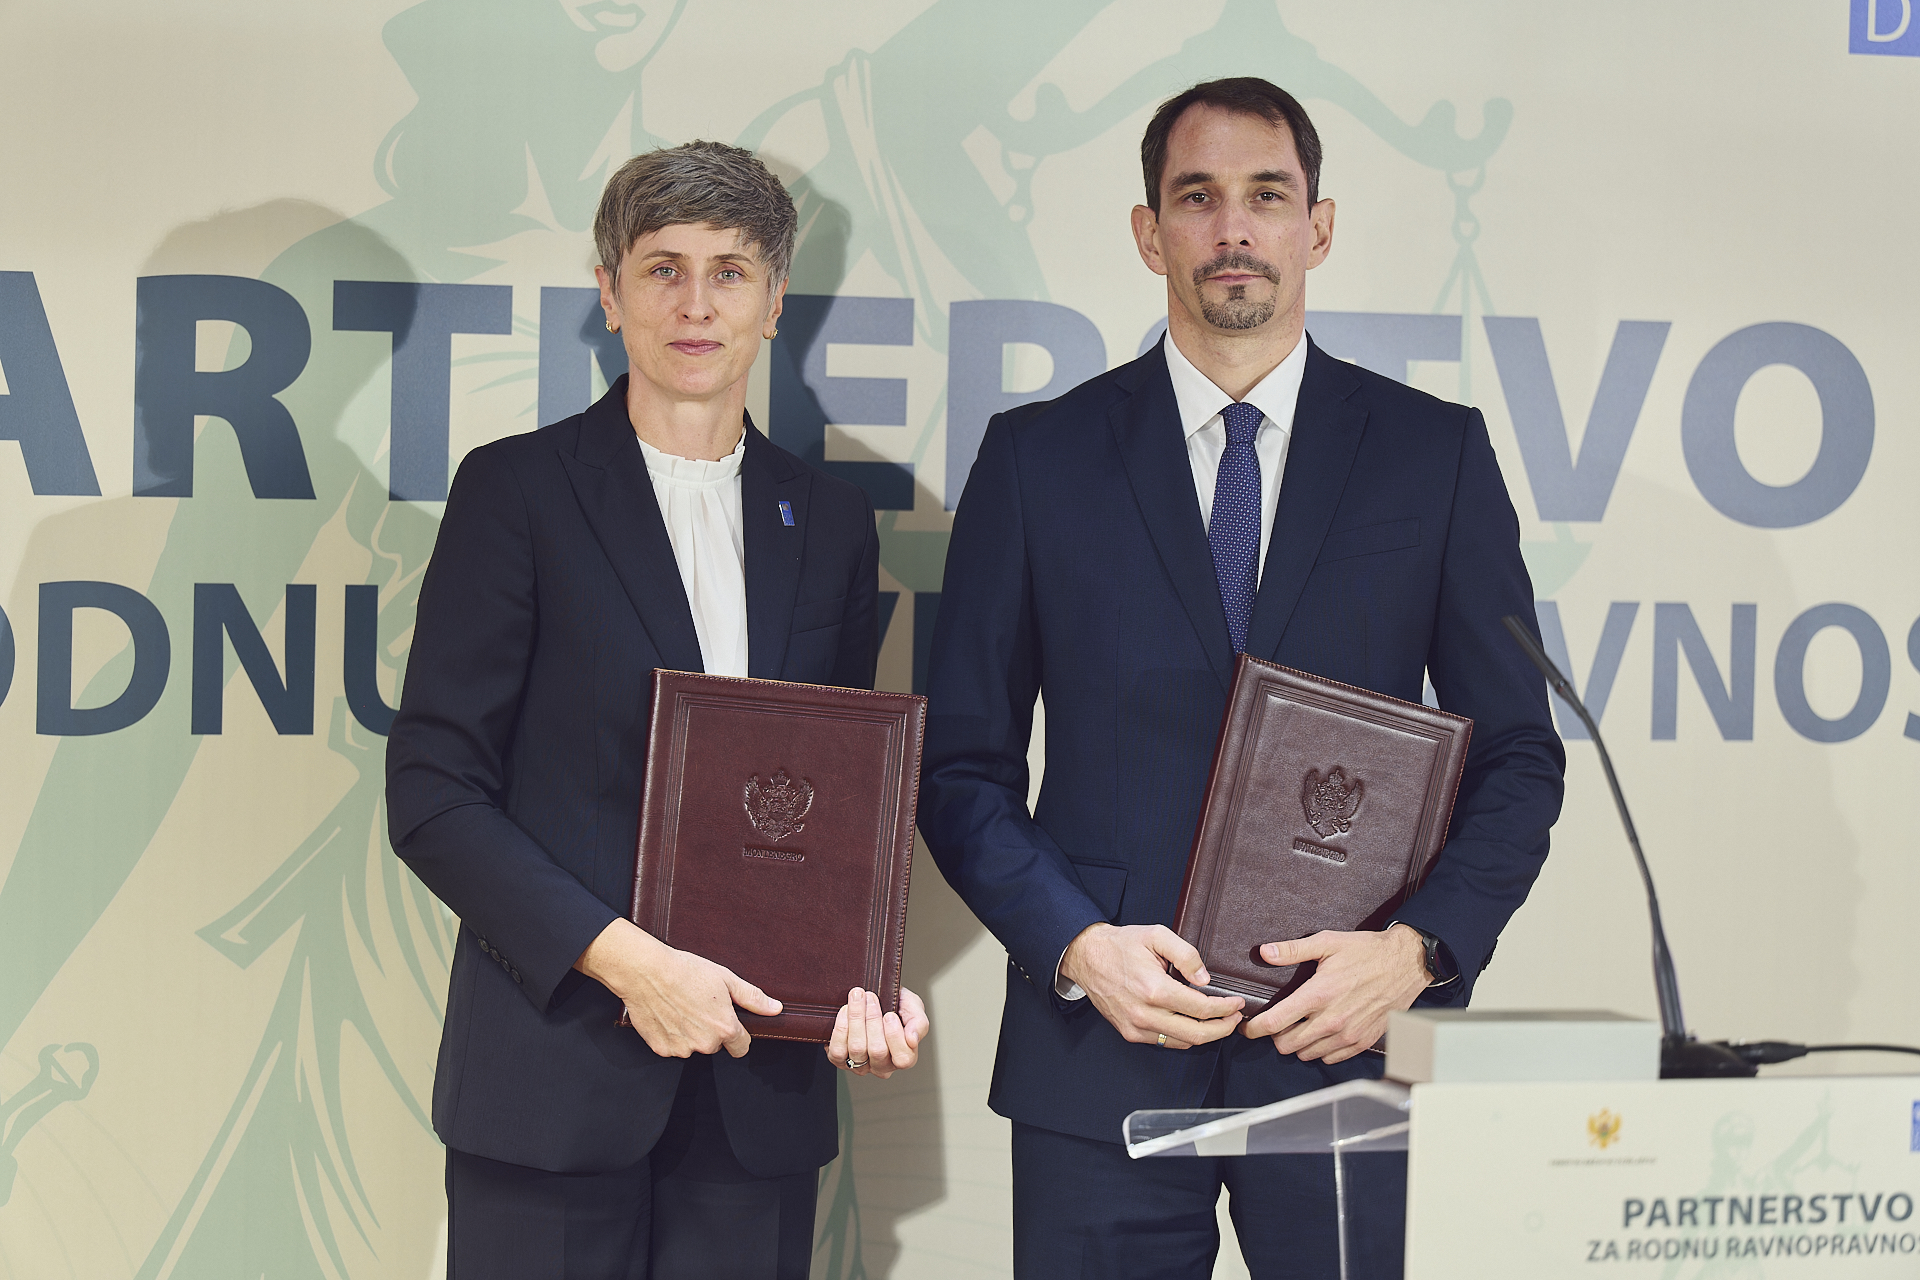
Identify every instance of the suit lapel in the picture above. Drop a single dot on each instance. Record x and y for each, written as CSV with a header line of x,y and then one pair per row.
x,y
1327,426
1146,426
609,477
768,478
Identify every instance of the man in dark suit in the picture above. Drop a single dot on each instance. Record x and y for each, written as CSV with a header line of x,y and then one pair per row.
x,y
657,529
1234,489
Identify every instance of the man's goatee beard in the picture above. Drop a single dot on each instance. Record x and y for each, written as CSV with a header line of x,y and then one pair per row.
x,y
1237,313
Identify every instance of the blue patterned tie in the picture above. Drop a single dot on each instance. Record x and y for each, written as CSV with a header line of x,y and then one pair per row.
x,y
1233,530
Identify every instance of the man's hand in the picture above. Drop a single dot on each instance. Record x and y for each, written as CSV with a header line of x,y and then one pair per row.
x,y
877,1045
1123,970
680,1003
1342,1009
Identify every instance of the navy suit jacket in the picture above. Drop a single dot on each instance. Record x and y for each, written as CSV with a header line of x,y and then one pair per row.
x,y
1079,570
515,764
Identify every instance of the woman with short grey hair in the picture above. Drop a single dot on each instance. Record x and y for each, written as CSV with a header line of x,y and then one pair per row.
x,y
660,528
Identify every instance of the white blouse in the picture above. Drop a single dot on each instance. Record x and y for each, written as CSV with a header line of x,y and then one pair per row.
x,y
701,504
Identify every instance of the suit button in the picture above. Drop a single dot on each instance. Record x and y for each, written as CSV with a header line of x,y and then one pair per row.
x,y
516,977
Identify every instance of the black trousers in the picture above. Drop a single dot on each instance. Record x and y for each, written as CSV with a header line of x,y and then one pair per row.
x,y
1085,1210
689,1211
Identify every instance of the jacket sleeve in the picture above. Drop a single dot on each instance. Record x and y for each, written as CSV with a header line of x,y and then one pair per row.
x,y
982,678
447,755
1510,791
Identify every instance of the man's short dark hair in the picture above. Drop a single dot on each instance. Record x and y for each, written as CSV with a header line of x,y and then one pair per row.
x,y
1248,95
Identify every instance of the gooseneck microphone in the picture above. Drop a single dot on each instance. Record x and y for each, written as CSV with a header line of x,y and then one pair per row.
x,y
1681,1056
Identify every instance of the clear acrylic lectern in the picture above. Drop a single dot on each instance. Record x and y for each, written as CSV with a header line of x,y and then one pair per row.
x,y
1360,1115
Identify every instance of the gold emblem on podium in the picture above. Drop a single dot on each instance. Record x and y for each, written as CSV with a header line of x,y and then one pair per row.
x,y
1603,1128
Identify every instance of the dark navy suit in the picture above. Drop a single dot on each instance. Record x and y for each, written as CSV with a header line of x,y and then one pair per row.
x,y
1080,570
514,775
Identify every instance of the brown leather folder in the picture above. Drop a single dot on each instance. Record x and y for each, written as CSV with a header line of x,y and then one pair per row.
x,y
1324,809
776,833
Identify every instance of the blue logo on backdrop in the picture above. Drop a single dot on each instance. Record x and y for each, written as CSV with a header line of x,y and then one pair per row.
x,y
1884,26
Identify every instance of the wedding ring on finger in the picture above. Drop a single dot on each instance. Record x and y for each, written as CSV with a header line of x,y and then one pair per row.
x,y
1163,1039
854,1066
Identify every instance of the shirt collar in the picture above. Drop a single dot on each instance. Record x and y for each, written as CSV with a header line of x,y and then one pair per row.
x,y
1200,401
693,472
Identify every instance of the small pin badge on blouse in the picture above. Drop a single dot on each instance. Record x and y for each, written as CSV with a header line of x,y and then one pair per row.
x,y
786,514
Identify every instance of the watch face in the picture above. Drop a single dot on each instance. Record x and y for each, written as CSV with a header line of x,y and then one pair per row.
x,y
1431,945
1441,973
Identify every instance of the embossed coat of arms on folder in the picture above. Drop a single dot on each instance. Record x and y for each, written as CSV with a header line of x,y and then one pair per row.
x,y
776,833
1324,809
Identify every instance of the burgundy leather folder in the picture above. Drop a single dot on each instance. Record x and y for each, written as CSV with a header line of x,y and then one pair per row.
x,y
776,833
1324,809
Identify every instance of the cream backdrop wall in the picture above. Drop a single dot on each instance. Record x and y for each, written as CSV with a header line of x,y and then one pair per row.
x,y
219,992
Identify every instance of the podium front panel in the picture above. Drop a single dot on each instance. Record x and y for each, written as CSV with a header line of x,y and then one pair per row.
x,y
1805,1176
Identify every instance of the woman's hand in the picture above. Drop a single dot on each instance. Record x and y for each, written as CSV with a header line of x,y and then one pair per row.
x,y
867,1043
680,1003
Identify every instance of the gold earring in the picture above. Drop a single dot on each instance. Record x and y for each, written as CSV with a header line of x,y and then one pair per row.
x,y
610,328
773,335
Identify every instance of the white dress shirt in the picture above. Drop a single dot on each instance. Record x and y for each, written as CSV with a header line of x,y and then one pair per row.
x,y
700,502
1275,396
1200,403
